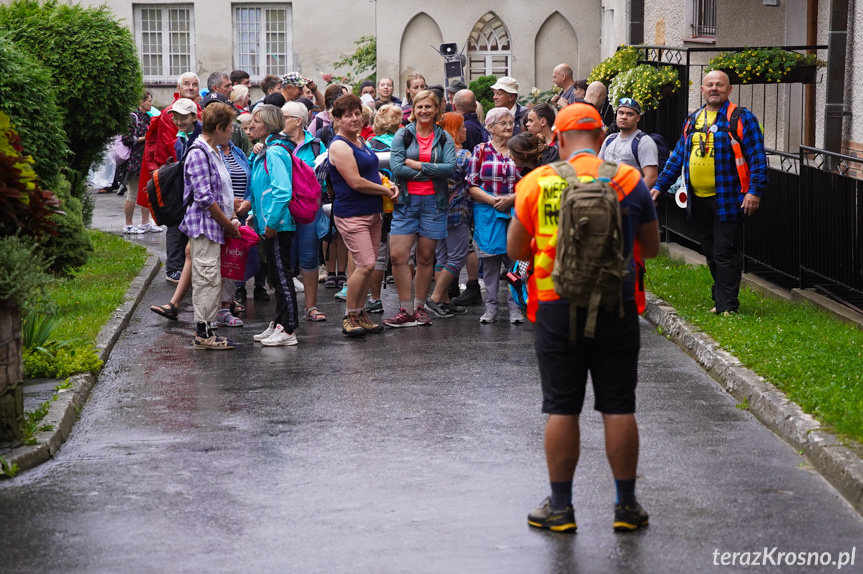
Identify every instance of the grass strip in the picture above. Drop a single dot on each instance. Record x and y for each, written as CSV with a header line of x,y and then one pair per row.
x,y
86,302
815,359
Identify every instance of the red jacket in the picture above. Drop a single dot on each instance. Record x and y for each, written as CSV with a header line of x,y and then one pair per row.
x,y
158,148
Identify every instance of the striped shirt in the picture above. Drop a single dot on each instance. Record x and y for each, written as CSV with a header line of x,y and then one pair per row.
x,y
239,179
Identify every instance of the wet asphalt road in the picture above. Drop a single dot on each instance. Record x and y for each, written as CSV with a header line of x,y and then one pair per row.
x,y
419,450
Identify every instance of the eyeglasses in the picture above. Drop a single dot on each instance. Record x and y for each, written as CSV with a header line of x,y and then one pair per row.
x,y
294,117
506,124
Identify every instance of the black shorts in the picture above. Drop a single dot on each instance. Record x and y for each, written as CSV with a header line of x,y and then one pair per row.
x,y
611,358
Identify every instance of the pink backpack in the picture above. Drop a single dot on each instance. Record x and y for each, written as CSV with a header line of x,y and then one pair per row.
x,y
306,194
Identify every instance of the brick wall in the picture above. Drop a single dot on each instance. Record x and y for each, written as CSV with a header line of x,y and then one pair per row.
x,y
854,149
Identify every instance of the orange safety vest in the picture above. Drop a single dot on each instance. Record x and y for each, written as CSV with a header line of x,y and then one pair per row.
x,y
732,112
537,205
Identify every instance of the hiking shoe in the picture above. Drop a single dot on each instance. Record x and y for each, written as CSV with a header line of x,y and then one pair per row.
x,y
470,296
151,227
260,293
554,520
516,316
298,286
373,306
367,324
351,325
438,309
454,309
342,295
269,331
488,317
422,317
132,230
240,295
279,338
629,518
401,319
213,343
173,276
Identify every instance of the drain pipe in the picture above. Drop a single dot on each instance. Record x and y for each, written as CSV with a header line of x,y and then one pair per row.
x,y
636,22
836,51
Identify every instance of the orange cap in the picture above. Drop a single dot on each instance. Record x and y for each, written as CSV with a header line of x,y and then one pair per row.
x,y
577,116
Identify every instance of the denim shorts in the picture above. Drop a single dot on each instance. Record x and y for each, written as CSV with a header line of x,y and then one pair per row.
x,y
306,245
422,216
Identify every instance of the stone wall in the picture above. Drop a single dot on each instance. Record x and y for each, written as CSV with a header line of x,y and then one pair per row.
x,y
11,374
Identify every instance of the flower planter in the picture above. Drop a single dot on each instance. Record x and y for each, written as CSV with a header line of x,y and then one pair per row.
x,y
667,90
797,75
11,374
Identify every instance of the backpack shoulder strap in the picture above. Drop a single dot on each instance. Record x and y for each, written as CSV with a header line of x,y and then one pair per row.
x,y
734,127
635,141
316,146
611,138
566,171
607,170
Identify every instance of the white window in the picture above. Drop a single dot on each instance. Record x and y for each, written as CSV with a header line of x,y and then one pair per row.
x,y
165,35
488,48
262,39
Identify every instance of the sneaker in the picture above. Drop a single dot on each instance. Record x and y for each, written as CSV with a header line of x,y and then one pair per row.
x,y
516,316
122,190
260,293
240,295
554,520
298,286
151,227
438,309
454,309
488,317
367,324
454,290
132,230
279,338
402,319
470,296
269,331
343,294
629,518
422,317
226,319
351,325
322,274
173,276
373,306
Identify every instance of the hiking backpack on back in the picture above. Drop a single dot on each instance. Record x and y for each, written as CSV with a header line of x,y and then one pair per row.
x,y
662,151
165,193
306,191
589,266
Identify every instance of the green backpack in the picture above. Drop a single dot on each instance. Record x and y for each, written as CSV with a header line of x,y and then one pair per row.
x,y
589,266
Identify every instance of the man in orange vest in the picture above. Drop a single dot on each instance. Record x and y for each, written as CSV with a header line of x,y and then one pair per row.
x,y
721,155
611,356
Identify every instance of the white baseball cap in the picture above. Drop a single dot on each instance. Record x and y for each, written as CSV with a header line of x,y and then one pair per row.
x,y
506,84
184,106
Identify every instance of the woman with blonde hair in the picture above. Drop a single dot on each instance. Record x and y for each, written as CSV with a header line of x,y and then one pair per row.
x,y
422,160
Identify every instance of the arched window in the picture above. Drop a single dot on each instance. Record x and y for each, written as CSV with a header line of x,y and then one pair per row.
x,y
488,48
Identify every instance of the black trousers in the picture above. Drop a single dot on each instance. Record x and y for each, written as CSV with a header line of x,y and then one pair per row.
x,y
721,242
278,252
175,249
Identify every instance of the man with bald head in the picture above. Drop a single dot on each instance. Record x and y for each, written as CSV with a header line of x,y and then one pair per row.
x,y
464,103
562,78
721,155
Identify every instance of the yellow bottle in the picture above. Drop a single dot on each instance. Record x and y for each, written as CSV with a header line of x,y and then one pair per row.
x,y
388,203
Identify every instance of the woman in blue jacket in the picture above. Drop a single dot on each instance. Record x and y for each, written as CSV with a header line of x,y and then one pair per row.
x,y
422,159
271,193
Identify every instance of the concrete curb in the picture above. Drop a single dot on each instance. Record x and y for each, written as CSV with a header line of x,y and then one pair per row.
x,y
64,411
835,462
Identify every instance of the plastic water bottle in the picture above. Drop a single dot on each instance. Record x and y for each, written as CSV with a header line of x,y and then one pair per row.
x,y
388,203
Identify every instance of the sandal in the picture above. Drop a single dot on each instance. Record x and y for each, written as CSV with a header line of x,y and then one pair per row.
x,y
237,307
168,311
341,279
213,343
226,319
330,283
312,314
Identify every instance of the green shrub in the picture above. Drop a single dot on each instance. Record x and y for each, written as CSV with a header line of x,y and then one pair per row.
x,y
92,58
71,247
65,362
622,60
23,81
481,88
363,62
23,278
